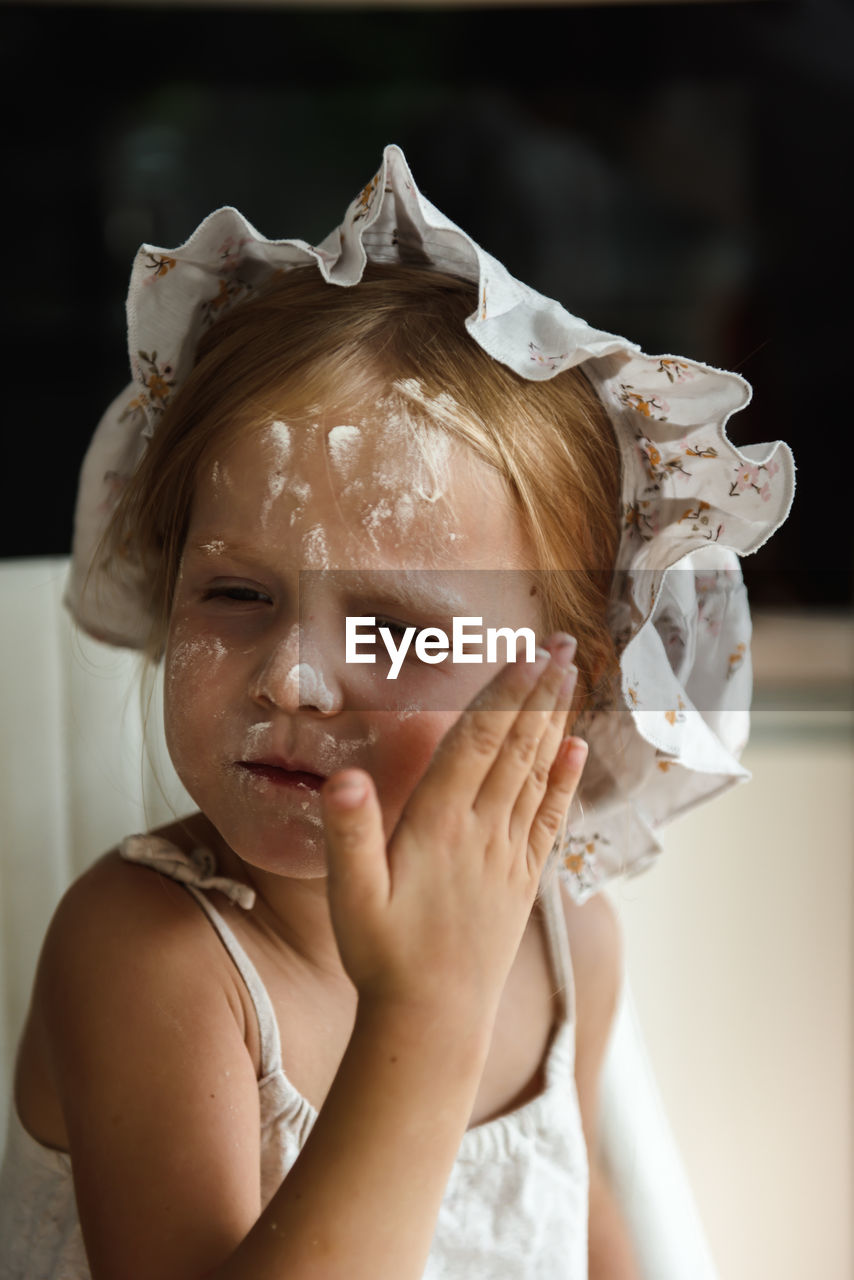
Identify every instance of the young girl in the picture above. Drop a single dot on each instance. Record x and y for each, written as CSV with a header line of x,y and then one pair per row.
x,y
374,1052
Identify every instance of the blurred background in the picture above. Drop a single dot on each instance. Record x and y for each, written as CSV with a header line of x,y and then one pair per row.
x,y
670,172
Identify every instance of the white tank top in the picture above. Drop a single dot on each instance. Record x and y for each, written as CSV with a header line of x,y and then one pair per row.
x,y
515,1206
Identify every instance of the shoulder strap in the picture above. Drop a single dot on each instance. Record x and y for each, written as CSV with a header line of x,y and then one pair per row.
x,y
268,1028
558,940
195,872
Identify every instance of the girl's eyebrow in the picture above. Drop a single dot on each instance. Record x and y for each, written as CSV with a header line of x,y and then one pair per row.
x,y
218,546
412,588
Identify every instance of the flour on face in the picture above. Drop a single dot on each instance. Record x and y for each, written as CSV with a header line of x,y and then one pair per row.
x,y
280,437
280,445
188,653
343,442
302,496
386,476
256,735
310,687
315,549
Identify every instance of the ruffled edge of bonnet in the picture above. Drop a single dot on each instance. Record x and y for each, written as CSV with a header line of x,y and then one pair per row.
x,y
692,502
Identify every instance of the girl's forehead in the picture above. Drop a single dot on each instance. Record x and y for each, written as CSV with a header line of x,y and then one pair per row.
x,y
380,445
382,440
362,487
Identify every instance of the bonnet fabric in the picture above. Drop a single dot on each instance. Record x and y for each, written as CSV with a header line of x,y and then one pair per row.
x,y
692,502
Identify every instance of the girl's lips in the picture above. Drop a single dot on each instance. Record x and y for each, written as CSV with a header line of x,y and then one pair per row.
x,y
283,777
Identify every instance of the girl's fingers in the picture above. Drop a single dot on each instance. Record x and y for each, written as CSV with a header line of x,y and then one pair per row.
x,y
521,768
563,781
468,750
535,783
357,865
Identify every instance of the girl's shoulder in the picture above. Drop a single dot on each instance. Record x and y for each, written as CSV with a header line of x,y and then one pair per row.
x,y
119,907
134,1058
117,904
126,943
130,969
125,924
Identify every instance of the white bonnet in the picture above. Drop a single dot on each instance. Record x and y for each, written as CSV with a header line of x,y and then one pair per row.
x,y
692,502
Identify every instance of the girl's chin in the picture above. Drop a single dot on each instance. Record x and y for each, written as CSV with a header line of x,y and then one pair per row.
x,y
289,851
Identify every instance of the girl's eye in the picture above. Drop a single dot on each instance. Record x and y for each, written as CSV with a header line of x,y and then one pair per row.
x,y
241,594
399,627
398,630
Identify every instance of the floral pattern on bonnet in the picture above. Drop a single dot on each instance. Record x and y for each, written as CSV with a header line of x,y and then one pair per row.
x,y
692,502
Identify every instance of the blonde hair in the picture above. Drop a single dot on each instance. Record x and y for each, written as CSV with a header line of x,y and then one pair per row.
x,y
301,342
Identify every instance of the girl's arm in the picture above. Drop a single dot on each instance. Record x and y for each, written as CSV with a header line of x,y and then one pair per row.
x,y
597,966
144,1019
160,1099
610,1252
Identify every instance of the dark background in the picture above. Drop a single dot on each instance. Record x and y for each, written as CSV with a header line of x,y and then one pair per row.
x,y
671,172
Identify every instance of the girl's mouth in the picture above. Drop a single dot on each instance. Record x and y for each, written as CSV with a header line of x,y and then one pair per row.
x,y
281,777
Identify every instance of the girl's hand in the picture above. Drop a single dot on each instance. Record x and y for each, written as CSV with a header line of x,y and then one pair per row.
x,y
437,917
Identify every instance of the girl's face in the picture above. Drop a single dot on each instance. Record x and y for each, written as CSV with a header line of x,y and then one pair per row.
x,y
255,669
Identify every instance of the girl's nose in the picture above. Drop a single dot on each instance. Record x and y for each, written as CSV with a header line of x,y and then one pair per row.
x,y
293,675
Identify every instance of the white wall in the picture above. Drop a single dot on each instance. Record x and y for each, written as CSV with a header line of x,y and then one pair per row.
x,y
739,946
